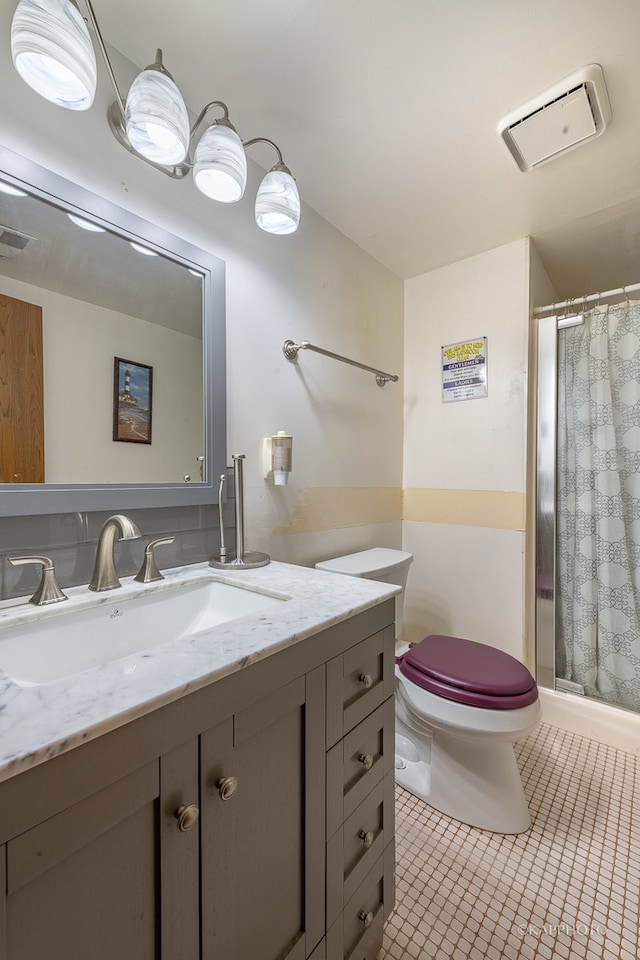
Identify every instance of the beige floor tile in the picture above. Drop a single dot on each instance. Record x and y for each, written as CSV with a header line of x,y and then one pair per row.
x,y
566,890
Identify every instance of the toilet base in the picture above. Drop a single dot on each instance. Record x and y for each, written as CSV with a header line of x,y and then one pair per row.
x,y
414,775
476,783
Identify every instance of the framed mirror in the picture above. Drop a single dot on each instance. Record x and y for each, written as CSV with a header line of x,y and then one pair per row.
x,y
112,354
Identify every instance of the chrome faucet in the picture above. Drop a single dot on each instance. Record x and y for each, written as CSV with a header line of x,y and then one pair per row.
x,y
104,572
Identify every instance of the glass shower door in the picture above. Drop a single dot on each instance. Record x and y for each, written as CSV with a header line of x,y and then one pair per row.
x,y
588,586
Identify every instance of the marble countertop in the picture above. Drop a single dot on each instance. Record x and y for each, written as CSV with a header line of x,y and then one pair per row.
x,y
38,722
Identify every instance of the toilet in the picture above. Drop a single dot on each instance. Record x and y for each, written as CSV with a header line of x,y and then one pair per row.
x,y
460,706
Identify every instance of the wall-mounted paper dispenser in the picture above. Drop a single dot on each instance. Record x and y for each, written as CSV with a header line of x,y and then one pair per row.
x,y
277,455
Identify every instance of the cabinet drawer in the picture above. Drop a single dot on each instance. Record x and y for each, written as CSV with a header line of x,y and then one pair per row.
x,y
357,933
357,845
358,681
358,763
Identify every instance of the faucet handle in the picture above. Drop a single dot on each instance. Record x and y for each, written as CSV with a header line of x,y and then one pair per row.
x,y
48,591
149,569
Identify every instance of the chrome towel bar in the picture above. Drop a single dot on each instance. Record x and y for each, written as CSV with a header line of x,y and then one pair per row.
x,y
291,349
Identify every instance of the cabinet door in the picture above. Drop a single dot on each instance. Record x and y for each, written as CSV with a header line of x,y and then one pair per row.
x,y
84,883
180,853
114,875
263,846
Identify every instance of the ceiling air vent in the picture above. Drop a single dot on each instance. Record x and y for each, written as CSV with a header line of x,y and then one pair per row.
x,y
570,113
12,242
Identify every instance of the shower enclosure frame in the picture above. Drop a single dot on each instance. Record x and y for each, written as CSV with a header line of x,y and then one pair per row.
x,y
545,553
546,453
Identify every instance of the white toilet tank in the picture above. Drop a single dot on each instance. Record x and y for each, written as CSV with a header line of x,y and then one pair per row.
x,y
379,563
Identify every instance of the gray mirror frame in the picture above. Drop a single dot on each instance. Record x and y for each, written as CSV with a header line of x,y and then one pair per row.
x,y
27,499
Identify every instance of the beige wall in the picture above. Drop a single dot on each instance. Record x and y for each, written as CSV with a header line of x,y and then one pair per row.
x,y
80,341
465,462
315,285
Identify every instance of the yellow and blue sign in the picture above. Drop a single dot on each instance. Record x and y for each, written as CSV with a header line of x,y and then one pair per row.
x,y
464,370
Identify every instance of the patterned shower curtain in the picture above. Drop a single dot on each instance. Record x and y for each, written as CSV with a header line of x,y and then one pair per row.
x,y
598,505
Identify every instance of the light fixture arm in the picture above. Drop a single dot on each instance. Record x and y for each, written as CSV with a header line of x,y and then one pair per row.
x,y
205,110
280,164
159,65
105,55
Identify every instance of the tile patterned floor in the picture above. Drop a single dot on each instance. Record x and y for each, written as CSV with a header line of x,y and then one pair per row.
x,y
568,889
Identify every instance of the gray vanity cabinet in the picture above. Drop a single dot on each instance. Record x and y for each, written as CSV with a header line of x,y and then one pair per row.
x,y
210,828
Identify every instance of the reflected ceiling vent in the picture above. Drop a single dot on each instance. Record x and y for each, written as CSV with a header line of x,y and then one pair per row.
x,y
570,113
13,242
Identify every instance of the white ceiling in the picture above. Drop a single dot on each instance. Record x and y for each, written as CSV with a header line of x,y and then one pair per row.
x,y
386,111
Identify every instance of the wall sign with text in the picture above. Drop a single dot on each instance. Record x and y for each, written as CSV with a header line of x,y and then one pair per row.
x,y
464,370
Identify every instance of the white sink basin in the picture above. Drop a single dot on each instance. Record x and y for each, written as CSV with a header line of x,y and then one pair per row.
x,y
60,642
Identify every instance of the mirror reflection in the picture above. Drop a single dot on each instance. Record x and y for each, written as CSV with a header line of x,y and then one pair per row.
x,y
101,354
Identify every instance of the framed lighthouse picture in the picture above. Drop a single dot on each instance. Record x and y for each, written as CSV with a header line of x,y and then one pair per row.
x,y
132,401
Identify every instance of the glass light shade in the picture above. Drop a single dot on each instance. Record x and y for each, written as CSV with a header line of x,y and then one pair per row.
x,y
220,164
278,203
53,53
156,118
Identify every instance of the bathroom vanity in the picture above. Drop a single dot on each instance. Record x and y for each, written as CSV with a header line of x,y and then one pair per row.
x,y
227,795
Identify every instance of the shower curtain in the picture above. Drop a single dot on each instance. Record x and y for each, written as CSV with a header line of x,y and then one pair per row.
x,y
598,505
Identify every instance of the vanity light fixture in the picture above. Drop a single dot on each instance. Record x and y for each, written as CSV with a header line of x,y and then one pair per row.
x,y
53,53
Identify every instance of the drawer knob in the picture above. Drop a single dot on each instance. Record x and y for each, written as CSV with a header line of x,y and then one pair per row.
x,y
365,918
187,816
227,787
366,680
366,760
367,838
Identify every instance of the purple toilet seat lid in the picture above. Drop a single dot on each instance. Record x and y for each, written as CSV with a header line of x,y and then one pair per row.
x,y
469,672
